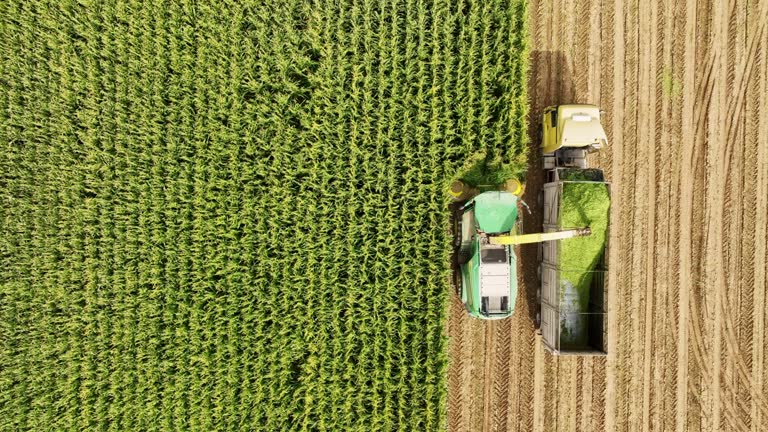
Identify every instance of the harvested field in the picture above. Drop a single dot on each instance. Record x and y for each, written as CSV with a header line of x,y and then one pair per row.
x,y
684,86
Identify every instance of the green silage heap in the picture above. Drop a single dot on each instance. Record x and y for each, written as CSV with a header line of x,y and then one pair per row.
x,y
581,205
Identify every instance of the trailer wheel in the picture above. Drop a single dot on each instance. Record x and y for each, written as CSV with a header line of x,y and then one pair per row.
x,y
540,256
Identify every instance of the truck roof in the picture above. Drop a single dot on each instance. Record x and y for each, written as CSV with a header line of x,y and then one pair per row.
x,y
580,125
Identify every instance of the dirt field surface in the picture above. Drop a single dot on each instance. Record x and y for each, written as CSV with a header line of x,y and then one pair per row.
x,y
684,87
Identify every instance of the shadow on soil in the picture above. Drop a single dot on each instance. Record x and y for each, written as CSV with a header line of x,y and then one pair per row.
x,y
548,85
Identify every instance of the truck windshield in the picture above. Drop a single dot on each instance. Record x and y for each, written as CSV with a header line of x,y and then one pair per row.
x,y
493,256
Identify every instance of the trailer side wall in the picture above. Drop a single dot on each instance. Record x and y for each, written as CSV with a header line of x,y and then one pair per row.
x,y
552,312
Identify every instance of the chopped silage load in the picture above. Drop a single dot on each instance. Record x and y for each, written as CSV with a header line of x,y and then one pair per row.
x,y
581,205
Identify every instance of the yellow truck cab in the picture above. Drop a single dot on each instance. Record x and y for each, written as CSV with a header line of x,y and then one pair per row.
x,y
568,133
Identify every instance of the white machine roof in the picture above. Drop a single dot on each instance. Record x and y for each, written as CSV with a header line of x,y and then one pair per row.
x,y
494,280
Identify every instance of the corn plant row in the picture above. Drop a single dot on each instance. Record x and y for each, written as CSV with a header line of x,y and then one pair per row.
x,y
232,215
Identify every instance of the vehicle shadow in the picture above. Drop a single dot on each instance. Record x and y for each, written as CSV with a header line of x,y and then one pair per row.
x,y
453,208
550,83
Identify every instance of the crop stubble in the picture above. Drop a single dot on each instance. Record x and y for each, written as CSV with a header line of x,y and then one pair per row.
x,y
684,88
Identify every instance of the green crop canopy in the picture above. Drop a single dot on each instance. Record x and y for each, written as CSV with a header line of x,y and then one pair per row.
x,y
495,211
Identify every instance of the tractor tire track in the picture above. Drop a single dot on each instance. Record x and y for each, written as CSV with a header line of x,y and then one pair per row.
x,y
714,213
646,138
617,313
480,353
488,379
692,412
586,378
741,268
633,182
458,406
502,353
518,391
598,396
539,386
551,388
667,152
673,269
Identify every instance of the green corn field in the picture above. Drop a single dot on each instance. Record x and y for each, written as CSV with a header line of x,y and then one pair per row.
x,y
232,215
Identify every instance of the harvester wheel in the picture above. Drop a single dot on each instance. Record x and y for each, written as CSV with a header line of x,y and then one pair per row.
x,y
457,191
514,186
457,233
538,320
538,273
463,257
457,282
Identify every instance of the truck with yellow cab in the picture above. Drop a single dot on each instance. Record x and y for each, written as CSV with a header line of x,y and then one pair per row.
x,y
572,318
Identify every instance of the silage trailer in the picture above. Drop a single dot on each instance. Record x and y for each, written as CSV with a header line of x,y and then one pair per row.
x,y
572,295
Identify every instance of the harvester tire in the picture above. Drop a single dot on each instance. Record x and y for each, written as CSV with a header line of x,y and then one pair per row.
x,y
457,283
538,320
457,234
463,257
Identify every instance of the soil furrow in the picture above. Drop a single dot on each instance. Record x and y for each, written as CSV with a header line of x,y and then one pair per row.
x,y
457,400
512,410
500,375
539,386
715,245
586,377
594,52
615,253
686,210
569,393
647,103
633,182
741,268
674,325
487,374
662,397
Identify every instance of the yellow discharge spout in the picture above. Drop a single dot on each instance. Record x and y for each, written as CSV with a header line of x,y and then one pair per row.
x,y
539,237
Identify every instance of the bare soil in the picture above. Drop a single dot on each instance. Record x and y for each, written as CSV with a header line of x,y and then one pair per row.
x,y
684,87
